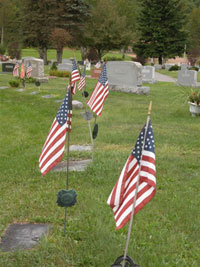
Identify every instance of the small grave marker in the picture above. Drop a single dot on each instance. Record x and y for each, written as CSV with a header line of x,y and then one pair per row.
x,y
23,236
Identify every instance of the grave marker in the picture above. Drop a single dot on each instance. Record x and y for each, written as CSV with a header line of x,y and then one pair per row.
x,y
148,74
126,76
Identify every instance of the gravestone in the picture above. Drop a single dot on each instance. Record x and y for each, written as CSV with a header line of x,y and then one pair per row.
x,y
66,65
38,68
187,77
8,67
23,236
95,73
126,76
74,165
77,104
158,66
167,66
148,74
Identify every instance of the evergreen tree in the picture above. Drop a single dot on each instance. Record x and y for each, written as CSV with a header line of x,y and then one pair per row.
x,y
160,26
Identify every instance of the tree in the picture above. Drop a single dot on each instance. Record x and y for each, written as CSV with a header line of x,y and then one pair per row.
x,y
160,27
60,38
106,29
194,35
42,16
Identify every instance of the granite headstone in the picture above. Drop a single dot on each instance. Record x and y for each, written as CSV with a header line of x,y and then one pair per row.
x,y
187,77
148,74
126,76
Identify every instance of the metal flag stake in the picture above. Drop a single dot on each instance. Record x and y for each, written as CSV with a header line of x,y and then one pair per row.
x,y
137,185
67,198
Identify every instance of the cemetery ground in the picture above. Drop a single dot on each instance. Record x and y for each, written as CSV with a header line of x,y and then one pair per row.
x,y
165,232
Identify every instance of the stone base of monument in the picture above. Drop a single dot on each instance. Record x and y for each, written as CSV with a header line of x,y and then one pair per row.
x,y
74,165
77,104
140,90
152,81
23,236
80,148
44,79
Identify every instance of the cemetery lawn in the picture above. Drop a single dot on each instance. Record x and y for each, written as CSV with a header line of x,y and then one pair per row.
x,y
165,232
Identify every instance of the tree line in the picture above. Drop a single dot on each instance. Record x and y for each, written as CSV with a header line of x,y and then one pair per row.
x,y
153,28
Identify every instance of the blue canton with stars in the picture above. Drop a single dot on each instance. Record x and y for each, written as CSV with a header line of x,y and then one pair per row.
x,y
63,111
103,78
149,143
74,67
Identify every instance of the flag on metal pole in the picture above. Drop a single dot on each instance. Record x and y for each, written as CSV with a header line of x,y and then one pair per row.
x,y
99,93
140,165
75,76
29,70
81,84
16,70
54,147
22,73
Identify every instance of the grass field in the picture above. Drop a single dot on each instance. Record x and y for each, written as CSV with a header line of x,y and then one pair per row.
x,y
165,232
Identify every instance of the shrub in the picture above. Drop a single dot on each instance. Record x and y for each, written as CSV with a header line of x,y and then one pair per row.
x,y
30,80
112,58
59,73
194,68
54,66
174,68
14,83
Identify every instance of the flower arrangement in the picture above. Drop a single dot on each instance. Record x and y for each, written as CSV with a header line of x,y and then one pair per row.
x,y
194,97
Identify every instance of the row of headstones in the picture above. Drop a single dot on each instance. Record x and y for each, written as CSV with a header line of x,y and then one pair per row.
x,y
37,67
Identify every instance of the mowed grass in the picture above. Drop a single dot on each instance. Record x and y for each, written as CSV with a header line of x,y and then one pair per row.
x,y
165,232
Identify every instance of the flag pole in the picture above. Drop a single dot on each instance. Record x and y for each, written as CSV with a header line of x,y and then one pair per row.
x,y
136,190
68,141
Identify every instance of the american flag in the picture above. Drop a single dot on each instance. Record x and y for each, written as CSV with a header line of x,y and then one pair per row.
x,y
54,147
99,93
81,84
29,70
22,73
16,70
122,196
75,76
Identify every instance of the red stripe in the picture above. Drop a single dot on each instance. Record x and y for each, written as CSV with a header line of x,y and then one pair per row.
x,y
149,159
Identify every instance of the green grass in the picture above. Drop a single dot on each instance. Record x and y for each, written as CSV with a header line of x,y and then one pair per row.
x,y
51,53
165,232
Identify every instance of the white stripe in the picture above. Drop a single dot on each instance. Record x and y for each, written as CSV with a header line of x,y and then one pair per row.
x,y
101,98
148,176
138,201
52,159
60,141
129,197
149,154
148,164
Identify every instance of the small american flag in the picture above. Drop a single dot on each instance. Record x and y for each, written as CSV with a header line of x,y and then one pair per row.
x,y
122,196
81,84
54,147
75,76
99,93
16,70
22,73
29,70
